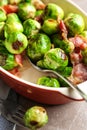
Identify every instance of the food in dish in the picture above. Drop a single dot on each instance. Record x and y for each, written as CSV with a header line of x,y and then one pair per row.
x,y
48,37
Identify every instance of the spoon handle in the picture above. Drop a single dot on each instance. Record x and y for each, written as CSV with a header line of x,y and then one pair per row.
x,y
81,88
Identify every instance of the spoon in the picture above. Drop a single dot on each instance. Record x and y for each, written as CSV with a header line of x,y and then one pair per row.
x,y
81,88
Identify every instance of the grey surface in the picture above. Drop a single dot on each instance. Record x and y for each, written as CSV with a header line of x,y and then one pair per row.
x,y
72,116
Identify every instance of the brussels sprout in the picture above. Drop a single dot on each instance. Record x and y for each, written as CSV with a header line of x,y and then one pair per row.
x,y
35,117
26,10
16,43
7,60
84,55
13,24
2,15
66,71
3,2
48,81
38,45
84,34
2,30
50,26
54,59
53,11
31,27
74,23
66,45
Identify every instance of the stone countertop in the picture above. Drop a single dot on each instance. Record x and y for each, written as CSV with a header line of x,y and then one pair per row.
x,y
71,116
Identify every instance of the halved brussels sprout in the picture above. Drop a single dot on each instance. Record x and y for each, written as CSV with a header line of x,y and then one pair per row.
x,y
54,59
74,23
7,60
50,26
16,43
53,11
26,10
38,45
35,117
31,27
13,24
48,81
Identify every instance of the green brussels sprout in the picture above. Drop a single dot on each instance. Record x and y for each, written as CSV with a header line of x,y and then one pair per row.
x,y
3,2
50,26
35,117
16,43
54,59
74,23
2,24
84,34
2,15
13,24
48,81
38,45
31,27
66,45
53,11
26,10
84,55
66,71
7,60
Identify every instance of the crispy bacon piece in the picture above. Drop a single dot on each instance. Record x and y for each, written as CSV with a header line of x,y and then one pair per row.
x,y
76,58
18,58
79,42
79,73
15,72
63,29
10,8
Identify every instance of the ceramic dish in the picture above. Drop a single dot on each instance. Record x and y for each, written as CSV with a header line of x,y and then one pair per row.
x,y
26,85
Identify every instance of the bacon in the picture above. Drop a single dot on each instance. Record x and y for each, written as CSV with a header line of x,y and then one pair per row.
x,y
79,73
63,29
76,58
79,42
18,58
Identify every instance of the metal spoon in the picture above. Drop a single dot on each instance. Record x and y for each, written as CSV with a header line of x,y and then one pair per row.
x,y
81,88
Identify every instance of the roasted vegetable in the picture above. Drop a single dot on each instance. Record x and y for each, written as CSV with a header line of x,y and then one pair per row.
x,y
53,11
50,26
16,43
66,45
48,81
38,45
7,60
54,59
13,24
74,23
31,27
35,117
26,10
